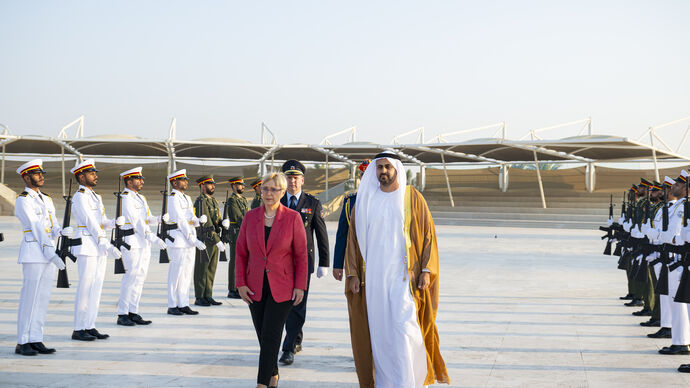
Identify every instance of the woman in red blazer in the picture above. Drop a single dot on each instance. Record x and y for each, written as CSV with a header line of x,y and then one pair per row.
x,y
271,270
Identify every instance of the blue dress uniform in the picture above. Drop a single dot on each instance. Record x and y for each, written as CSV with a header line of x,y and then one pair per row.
x,y
309,208
343,227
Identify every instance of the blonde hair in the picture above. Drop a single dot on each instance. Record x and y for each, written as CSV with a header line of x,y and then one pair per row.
x,y
278,178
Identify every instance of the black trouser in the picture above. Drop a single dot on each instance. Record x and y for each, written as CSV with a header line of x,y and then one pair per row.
x,y
295,322
269,318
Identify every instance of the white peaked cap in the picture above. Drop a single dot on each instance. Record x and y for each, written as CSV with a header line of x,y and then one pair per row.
x,y
31,166
87,165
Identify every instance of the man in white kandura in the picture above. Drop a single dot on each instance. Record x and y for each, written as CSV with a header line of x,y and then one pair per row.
x,y
181,250
392,259
36,213
138,219
88,213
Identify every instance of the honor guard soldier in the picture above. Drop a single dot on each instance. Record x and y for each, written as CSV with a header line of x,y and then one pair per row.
x,y
257,201
88,213
343,227
181,250
237,207
36,213
206,261
309,209
138,235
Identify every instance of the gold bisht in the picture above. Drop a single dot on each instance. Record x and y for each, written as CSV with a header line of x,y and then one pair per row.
x,y
422,253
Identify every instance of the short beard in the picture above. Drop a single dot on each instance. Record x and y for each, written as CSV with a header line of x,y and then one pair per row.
x,y
34,181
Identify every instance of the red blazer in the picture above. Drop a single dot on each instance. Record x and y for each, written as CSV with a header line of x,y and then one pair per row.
x,y
283,259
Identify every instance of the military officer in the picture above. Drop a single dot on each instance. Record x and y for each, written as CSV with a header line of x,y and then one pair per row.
x,y
88,213
257,201
181,251
237,208
343,226
310,209
208,232
138,235
36,213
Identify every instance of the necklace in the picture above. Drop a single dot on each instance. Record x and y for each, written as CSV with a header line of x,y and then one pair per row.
x,y
270,217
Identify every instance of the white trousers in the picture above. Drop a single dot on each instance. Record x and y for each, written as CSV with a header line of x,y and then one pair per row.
x,y
680,324
136,263
180,276
91,275
33,301
664,302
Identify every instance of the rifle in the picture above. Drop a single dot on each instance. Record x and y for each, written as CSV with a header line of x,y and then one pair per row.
x,y
203,231
686,205
225,235
623,206
164,228
65,243
117,238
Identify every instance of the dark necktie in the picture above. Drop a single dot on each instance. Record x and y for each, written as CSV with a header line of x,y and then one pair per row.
x,y
293,203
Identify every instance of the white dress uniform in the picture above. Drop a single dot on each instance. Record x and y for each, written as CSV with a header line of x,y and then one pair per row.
x,y
36,213
181,251
653,233
680,324
88,214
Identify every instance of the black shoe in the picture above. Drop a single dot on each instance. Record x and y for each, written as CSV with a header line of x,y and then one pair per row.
x,y
25,350
213,302
684,368
82,335
627,297
287,358
298,348
634,303
675,349
96,334
39,347
136,318
234,295
652,322
664,332
643,313
174,311
124,320
188,311
201,302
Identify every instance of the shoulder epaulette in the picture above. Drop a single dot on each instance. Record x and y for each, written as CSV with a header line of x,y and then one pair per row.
x,y
125,192
350,195
46,194
172,194
22,194
81,190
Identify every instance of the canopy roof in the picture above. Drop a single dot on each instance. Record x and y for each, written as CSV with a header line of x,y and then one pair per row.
x,y
585,149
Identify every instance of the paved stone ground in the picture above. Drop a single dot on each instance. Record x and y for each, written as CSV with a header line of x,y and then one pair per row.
x,y
519,307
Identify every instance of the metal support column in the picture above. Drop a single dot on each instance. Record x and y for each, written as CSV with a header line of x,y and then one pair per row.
x,y
656,166
422,177
445,172
590,177
326,179
2,174
63,171
503,178
541,185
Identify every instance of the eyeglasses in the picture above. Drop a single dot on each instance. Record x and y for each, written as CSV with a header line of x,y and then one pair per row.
x,y
270,189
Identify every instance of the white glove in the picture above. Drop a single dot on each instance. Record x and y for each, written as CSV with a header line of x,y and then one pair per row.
x,y
119,221
621,220
103,245
165,218
321,272
221,246
685,233
195,221
67,232
108,224
57,261
202,219
158,243
610,221
199,245
226,223
114,252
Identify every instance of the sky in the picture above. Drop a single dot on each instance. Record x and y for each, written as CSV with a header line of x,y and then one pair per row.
x,y
311,68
